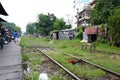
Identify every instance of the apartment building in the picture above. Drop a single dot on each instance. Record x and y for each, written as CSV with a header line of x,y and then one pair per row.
x,y
83,16
78,6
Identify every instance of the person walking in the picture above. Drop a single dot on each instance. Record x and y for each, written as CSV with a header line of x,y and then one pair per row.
x,y
15,35
70,35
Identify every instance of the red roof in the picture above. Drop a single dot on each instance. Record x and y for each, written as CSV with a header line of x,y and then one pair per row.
x,y
91,30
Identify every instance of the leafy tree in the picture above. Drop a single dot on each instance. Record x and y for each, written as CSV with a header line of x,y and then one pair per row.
x,y
69,26
31,28
45,23
59,24
107,12
102,11
80,33
17,28
114,27
11,26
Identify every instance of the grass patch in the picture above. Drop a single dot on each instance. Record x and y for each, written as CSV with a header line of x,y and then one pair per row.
x,y
34,60
32,41
74,47
83,71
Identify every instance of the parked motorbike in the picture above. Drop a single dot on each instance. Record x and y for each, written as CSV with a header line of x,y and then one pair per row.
x,y
7,36
1,41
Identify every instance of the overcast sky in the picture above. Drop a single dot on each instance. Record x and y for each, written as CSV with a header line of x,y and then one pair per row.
x,y
22,12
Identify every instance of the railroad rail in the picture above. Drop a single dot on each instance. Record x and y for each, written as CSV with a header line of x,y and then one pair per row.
x,y
104,69
62,67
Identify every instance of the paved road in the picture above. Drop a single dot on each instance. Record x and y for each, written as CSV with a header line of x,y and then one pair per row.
x,y
10,62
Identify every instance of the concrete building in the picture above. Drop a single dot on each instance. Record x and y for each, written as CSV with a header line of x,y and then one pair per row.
x,y
78,6
83,15
92,4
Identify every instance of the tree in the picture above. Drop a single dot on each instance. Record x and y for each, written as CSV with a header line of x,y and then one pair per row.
x,y
31,28
59,24
102,11
107,12
114,27
45,23
11,26
17,28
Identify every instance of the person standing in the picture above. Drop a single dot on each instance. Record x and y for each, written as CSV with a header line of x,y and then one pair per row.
x,y
15,35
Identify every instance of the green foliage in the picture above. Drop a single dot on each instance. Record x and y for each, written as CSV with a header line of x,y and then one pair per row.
x,y
102,11
113,26
59,24
56,77
24,57
83,71
95,43
80,34
33,60
11,26
103,26
108,11
45,23
74,47
31,28
32,41
102,39
68,26
63,46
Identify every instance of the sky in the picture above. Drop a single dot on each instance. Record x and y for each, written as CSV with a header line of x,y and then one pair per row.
x,y
21,12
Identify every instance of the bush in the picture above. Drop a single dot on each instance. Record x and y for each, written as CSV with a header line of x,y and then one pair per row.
x,y
79,35
102,39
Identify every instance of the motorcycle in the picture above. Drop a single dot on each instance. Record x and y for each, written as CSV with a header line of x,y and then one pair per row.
x,y
7,36
1,41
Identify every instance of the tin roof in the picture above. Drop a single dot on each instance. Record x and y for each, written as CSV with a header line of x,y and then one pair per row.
x,y
2,20
2,10
91,30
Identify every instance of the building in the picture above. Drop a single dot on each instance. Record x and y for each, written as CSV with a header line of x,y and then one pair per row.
x,y
83,19
83,12
78,6
83,16
62,34
92,4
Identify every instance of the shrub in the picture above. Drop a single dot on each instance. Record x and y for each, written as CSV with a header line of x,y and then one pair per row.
x,y
79,35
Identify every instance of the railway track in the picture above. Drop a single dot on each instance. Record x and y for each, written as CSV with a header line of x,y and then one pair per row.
x,y
105,69
61,66
112,73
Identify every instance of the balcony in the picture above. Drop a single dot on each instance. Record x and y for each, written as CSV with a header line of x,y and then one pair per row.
x,y
84,18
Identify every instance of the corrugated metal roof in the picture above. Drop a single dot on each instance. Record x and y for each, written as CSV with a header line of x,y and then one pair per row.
x,y
91,30
2,20
2,10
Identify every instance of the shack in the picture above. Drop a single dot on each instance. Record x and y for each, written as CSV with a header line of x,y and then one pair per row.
x,y
94,32
62,34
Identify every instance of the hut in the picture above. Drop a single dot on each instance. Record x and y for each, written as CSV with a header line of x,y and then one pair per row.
x,y
62,34
94,32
